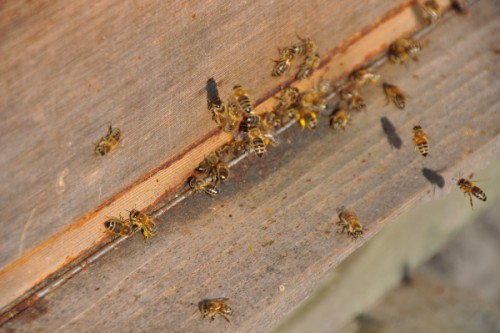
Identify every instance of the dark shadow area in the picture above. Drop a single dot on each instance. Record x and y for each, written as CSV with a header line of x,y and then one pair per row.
x,y
212,91
390,132
433,177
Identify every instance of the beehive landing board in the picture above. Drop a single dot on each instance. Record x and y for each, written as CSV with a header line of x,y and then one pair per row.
x,y
68,71
274,223
57,194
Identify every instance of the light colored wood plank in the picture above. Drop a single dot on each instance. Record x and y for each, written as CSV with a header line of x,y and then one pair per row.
x,y
222,248
155,158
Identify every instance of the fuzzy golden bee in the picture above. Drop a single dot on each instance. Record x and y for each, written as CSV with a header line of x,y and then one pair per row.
x,y
118,226
257,142
349,222
353,99
272,121
395,95
308,119
242,98
108,142
430,11
283,64
199,184
144,222
311,62
314,98
420,139
340,118
363,76
214,167
213,307
225,117
402,49
288,97
469,188
304,47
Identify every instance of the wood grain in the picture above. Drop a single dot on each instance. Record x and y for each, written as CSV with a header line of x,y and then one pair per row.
x,y
274,223
88,66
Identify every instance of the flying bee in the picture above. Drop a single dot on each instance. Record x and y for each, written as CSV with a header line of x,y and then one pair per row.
x,y
288,96
420,140
340,118
119,226
144,222
217,306
199,184
284,62
401,49
108,142
241,97
349,222
363,76
305,47
395,95
470,188
431,11
307,68
249,121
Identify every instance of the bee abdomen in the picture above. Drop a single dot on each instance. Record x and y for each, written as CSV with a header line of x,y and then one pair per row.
x,y
258,146
478,193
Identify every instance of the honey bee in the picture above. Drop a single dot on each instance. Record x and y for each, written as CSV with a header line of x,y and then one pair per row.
x,y
308,119
363,76
119,226
353,99
249,121
214,167
469,188
199,184
144,222
288,96
241,97
217,306
401,49
431,11
225,117
283,64
272,121
314,98
108,142
305,47
340,118
307,68
231,150
420,140
395,95
257,142
349,222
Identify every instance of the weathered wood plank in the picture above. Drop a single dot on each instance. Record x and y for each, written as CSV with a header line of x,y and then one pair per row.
x,y
274,223
172,150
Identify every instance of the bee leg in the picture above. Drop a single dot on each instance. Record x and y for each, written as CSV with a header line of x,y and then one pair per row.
x,y
471,204
225,317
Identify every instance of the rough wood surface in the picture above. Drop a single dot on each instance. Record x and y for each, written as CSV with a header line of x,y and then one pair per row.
x,y
69,71
274,223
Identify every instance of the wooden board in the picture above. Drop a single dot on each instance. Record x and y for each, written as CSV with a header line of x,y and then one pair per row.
x,y
78,68
274,223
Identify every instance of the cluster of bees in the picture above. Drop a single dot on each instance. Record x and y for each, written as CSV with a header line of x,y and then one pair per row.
x,y
253,133
305,48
